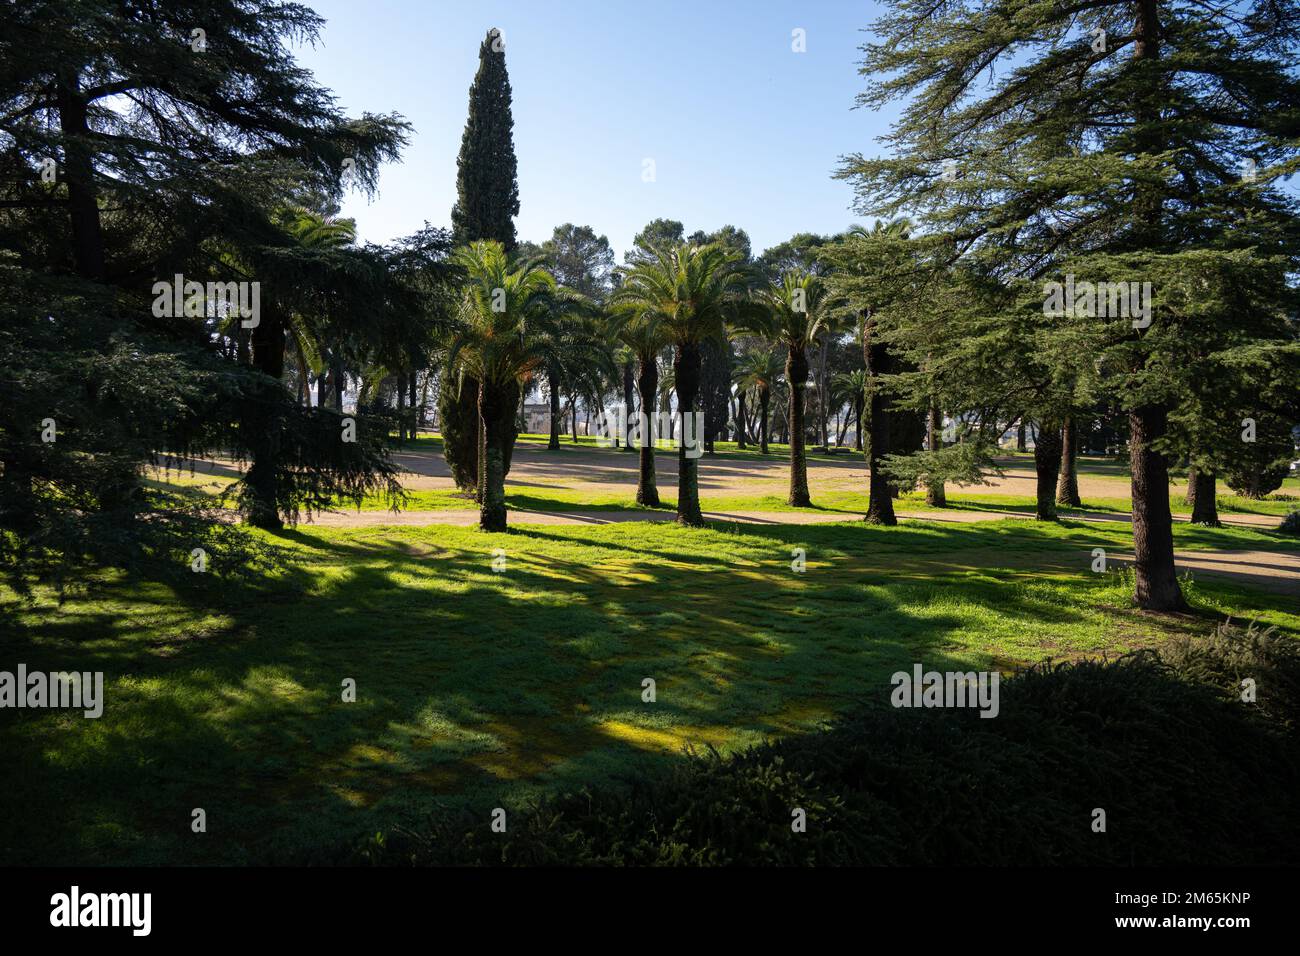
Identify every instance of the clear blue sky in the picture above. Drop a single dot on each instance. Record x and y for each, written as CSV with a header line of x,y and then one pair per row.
x,y
742,129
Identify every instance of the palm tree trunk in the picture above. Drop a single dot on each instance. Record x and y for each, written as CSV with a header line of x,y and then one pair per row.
x,y
1047,462
740,419
796,376
935,495
1067,489
553,386
764,400
686,379
480,431
492,503
647,492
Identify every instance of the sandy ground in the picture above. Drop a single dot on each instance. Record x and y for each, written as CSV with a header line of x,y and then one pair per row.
x,y
603,471
610,472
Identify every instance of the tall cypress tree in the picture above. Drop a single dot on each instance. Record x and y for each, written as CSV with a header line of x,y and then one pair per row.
x,y
487,200
487,192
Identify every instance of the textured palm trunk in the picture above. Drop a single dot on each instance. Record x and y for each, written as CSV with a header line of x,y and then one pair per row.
x,y
935,495
262,420
1067,488
880,499
552,383
796,375
740,419
686,377
480,487
1047,463
764,400
1202,492
1153,535
492,504
647,491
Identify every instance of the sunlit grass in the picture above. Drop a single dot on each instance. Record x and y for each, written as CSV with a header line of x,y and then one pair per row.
x,y
485,687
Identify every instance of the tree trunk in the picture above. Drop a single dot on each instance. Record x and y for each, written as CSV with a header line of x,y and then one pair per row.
x,y
79,171
629,389
1021,445
1202,490
647,491
935,495
553,386
880,500
492,502
480,430
740,419
764,400
1047,462
796,375
262,419
1153,535
823,396
1067,488
686,378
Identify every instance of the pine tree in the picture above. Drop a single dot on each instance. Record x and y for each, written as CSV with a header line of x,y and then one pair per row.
x,y
1124,141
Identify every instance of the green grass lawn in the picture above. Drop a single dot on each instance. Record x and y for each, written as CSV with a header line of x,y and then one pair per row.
x,y
485,688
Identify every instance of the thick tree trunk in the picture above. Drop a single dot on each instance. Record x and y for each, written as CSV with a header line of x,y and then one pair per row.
x,y
492,503
1047,463
553,385
740,420
796,376
647,491
686,378
79,172
340,384
262,419
1153,535
1067,488
880,499
935,495
480,489
1202,491
1021,444
764,400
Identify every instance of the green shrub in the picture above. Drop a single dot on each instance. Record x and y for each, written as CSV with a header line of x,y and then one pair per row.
x,y
1186,773
1231,655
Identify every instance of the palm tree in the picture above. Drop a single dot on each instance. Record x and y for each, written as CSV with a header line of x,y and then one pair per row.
x,y
645,338
797,313
504,333
692,291
853,386
759,370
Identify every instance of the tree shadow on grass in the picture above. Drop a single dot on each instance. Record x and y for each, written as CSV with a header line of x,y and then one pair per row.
x,y
473,688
